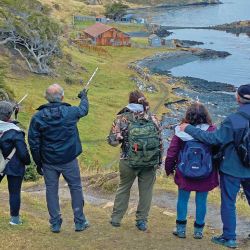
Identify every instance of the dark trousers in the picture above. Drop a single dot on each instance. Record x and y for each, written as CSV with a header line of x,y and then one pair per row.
x,y
230,187
71,173
14,186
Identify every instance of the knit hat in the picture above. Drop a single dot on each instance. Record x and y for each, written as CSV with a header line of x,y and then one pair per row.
x,y
6,109
244,91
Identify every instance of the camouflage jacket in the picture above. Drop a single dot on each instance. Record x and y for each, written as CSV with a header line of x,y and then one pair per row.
x,y
119,130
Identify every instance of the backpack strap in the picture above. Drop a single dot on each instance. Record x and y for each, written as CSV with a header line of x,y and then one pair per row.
x,y
9,157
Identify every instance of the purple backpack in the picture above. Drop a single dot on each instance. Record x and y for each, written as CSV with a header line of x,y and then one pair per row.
x,y
195,160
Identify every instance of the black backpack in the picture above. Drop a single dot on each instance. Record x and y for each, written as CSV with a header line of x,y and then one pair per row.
x,y
243,144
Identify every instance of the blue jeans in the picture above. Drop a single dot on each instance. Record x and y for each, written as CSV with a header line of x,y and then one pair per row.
x,y
230,187
201,206
71,174
14,186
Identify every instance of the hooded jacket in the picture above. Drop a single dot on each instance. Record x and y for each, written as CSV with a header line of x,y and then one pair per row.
x,y
171,162
231,129
53,133
14,137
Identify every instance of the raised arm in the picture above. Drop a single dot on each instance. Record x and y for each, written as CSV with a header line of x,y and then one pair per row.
x,y
83,108
219,137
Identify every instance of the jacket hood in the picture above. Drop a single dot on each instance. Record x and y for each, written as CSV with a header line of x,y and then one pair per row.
x,y
185,136
53,104
6,126
136,108
52,114
245,108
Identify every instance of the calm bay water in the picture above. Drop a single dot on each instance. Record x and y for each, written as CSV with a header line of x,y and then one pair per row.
x,y
234,69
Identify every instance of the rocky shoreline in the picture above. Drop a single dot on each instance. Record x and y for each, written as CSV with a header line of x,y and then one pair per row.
x,y
171,5
195,3
218,97
235,27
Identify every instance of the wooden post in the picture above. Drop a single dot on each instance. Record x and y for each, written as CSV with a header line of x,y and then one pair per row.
x,y
73,20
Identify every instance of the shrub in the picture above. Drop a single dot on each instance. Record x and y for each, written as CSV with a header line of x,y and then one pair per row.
x,y
115,10
31,173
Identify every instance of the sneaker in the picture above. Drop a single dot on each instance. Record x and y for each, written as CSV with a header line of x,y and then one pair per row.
x,y
15,221
141,225
56,227
115,224
81,226
220,240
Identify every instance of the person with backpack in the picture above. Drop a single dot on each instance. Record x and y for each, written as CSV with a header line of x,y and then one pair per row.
x,y
137,130
233,137
191,161
14,155
55,145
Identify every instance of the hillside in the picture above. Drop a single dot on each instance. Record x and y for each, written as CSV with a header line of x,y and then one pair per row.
x,y
108,92
63,10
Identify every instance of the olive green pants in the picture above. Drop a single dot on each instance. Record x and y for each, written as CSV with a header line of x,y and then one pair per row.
x,y
146,180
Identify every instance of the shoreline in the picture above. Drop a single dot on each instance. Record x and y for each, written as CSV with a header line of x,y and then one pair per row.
x,y
216,96
204,3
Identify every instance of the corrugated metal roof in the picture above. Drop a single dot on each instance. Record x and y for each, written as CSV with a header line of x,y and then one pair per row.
x,y
97,29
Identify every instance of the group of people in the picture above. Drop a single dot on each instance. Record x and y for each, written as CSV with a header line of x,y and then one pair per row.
x,y
55,145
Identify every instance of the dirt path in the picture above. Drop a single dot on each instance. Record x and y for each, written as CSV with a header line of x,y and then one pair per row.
x,y
161,199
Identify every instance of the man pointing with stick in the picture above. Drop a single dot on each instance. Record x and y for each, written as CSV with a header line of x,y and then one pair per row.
x,y
55,145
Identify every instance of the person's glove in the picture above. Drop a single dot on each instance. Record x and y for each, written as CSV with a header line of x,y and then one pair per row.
x,y
39,170
83,94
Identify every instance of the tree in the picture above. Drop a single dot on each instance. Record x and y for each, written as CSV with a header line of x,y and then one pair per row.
x,y
116,10
33,35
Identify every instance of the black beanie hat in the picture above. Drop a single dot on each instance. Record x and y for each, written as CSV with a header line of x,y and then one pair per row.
x,y
244,91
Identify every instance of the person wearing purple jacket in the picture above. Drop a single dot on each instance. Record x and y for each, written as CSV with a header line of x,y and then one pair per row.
x,y
198,116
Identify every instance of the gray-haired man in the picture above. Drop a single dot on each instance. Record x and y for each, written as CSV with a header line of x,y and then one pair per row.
x,y
55,144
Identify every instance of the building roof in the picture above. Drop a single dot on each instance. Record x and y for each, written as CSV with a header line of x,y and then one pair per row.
x,y
97,29
153,36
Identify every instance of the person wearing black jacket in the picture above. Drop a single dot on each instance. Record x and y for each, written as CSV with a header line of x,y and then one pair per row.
x,y
12,137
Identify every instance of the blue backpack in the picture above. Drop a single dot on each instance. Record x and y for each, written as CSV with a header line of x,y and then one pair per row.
x,y
195,160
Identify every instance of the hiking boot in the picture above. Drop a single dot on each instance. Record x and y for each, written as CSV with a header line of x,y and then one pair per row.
x,y
141,225
81,226
198,232
220,240
180,230
15,221
56,227
115,224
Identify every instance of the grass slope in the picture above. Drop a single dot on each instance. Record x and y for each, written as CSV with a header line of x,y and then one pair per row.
x,y
108,94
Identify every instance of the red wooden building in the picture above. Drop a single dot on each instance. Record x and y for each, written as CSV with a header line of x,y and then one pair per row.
x,y
101,34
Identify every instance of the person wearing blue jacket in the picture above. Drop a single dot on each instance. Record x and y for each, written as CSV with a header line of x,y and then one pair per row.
x,y
12,143
55,145
233,173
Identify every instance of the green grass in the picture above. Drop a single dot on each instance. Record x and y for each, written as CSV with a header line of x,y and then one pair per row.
x,y
107,95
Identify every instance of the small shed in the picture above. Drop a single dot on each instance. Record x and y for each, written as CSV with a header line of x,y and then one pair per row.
x,y
101,19
154,40
127,18
104,35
